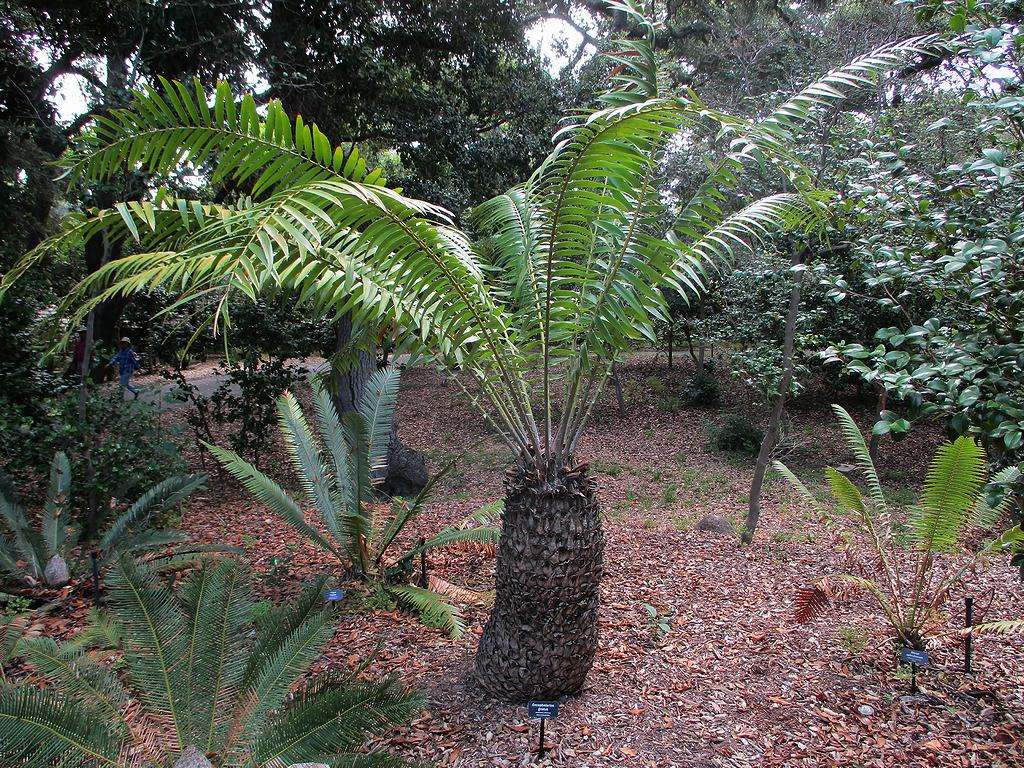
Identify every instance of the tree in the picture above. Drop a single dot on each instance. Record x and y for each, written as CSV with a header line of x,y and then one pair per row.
x,y
566,273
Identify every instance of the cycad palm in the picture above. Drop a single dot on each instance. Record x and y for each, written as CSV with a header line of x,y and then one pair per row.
x,y
902,571
210,684
337,465
568,272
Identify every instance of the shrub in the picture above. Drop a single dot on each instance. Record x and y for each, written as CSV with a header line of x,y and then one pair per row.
x,y
702,390
244,403
213,684
738,435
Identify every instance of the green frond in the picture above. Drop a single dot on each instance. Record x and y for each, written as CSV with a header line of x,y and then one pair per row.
x,y
951,489
841,82
272,675
482,534
320,488
332,434
431,607
998,628
217,605
162,497
377,407
334,721
155,641
172,125
271,494
275,628
71,672
24,543
797,484
855,442
41,729
846,494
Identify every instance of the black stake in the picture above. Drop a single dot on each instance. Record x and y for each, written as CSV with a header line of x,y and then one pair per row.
x,y
913,679
95,578
969,639
540,749
423,564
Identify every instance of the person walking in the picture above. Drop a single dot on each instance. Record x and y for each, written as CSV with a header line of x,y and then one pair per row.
x,y
127,363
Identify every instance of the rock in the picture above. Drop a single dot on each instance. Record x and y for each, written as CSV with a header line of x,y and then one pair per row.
x,y
56,572
866,710
715,524
407,470
191,757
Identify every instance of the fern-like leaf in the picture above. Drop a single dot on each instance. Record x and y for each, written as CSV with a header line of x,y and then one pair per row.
x,y
859,449
951,489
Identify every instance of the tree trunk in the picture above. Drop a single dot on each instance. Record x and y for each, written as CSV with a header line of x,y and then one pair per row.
x,y
771,434
541,637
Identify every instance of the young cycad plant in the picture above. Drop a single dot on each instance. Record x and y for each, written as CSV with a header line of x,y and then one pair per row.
x,y
338,466
568,272
205,685
41,557
909,559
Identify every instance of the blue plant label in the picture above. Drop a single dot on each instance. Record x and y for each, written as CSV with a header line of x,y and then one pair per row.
x,y
912,656
543,709
334,595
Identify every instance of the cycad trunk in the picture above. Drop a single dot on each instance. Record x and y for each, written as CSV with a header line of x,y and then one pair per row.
x,y
541,637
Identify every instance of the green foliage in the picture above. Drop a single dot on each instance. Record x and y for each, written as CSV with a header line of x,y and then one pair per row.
x,y
243,404
337,466
915,556
582,246
702,390
216,683
41,556
118,448
739,435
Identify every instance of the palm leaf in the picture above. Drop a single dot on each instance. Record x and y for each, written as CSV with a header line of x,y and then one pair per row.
x,y
162,497
271,494
333,720
845,492
855,442
156,643
797,484
431,608
40,729
951,488
377,407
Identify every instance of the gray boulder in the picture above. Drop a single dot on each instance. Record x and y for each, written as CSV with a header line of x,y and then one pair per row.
x,y
56,572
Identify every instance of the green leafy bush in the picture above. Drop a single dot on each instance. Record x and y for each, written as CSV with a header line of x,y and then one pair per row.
x,y
702,390
214,685
738,435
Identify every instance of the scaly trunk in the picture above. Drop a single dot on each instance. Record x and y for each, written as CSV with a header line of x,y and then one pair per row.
x,y
541,637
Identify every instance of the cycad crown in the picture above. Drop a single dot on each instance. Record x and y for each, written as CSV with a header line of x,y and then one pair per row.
x,y
209,681
338,465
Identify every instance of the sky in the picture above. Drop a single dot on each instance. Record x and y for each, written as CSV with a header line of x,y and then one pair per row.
x,y
544,36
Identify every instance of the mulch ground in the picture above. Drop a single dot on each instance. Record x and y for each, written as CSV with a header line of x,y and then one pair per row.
x,y
734,682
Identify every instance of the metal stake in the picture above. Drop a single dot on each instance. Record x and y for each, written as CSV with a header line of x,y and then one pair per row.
x,y
423,564
540,749
969,639
913,679
95,578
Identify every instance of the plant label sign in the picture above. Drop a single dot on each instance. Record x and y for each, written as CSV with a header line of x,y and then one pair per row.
x,y
912,656
334,595
543,709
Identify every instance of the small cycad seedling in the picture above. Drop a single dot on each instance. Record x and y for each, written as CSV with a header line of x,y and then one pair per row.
x,y
338,467
49,555
916,556
205,685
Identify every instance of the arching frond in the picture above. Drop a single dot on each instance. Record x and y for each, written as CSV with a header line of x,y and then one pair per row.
x,y
431,608
855,442
162,497
376,405
951,488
